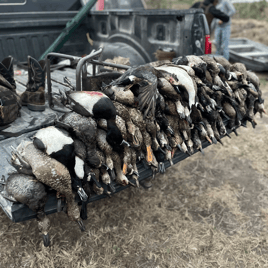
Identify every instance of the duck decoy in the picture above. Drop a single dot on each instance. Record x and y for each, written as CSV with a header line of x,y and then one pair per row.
x,y
29,191
52,173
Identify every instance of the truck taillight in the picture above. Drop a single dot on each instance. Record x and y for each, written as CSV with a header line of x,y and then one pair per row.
x,y
207,45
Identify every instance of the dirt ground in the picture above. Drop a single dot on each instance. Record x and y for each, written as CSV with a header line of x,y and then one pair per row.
x,y
206,211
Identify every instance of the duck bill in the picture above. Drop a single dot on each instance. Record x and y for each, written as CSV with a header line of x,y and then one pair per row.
x,y
111,187
82,194
227,134
170,130
81,225
125,143
46,240
201,150
149,156
135,141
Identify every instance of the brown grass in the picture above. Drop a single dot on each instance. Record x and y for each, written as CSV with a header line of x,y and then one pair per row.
x,y
206,211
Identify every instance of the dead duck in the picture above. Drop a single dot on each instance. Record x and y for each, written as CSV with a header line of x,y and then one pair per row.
x,y
52,173
85,129
195,62
186,83
58,144
120,177
197,141
106,148
29,191
97,105
145,77
123,112
137,119
210,131
135,173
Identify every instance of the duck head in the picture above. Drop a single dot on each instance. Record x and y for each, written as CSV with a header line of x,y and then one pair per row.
x,y
114,136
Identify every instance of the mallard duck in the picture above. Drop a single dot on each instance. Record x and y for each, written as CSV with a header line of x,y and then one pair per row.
x,y
29,191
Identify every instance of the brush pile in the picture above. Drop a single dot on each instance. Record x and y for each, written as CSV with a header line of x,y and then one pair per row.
x,y
146,114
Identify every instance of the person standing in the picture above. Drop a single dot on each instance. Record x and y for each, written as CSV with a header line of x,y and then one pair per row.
x,y
223,29
211,12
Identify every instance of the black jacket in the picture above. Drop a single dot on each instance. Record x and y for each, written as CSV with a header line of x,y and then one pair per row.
x,y
213,10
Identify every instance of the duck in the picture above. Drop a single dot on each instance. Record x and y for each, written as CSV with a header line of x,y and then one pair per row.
x,y
135,171
85,129
123,112
58,144
138,120
197,141
145,79
210,131
28,190
195,62
98,105
124,95
186,83
120,177
50,172
106,148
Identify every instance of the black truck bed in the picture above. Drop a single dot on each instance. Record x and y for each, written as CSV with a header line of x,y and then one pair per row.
x,y
26,126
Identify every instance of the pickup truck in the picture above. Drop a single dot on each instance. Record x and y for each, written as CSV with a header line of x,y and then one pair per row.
x,y
30,27
132,32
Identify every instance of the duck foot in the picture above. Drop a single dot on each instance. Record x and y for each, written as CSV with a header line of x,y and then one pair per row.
x,y
59,203
202,151
235,132
46,240
83,212
253,123
161,168
227,134
214,140
82,194
111,188
81,225
112,174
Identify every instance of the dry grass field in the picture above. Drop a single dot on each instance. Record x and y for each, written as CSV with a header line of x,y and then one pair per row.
x,y
206,211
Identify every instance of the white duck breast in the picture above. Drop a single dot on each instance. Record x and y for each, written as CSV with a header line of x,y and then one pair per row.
x,y
89,100
184,80
54,139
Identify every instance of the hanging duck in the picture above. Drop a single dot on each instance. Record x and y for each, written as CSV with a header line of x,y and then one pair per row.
x,y
98,105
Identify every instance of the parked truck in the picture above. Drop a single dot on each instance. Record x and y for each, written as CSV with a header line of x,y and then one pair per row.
x,y
29,27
